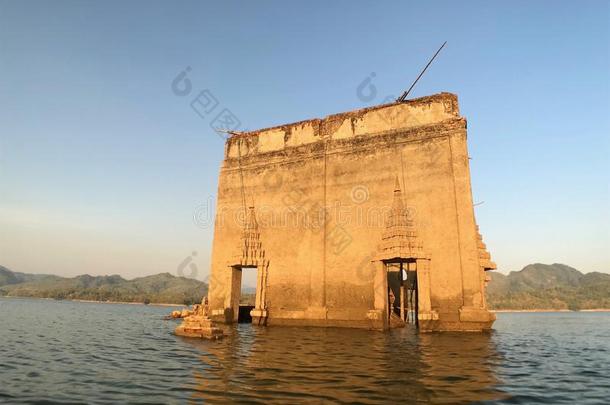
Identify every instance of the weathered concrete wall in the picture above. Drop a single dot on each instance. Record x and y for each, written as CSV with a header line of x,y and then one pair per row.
x,y
320,272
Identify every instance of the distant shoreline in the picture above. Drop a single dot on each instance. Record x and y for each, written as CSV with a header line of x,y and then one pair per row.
x,y
160,304
156,304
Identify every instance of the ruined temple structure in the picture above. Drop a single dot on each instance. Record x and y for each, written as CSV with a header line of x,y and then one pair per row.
x,y
360,219
198,324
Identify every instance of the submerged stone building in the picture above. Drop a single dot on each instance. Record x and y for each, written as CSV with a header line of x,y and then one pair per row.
x,y
360,219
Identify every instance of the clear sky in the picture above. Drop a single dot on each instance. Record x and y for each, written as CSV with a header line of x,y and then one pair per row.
x,y
102,166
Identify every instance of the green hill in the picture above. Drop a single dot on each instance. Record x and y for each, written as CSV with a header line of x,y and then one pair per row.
x,y
160,288
544,286
7,276
536,286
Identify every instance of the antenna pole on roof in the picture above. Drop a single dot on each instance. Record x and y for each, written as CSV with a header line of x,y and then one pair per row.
x,y
404,95
226,131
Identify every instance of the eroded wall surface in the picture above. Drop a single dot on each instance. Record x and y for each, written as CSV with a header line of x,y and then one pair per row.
x,y
321,189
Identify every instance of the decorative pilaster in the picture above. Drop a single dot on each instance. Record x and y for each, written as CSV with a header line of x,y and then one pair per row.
x,y
400,244
400,239
250,253
485,262
484,256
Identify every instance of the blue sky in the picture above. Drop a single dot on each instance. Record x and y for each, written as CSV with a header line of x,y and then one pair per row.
x,y
102,165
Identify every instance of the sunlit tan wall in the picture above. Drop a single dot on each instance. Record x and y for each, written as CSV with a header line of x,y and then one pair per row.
x,y
349,163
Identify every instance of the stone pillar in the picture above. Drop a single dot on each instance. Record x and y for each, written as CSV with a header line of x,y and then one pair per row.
x,y
402,300
234,294
259,313
423,288
483,276
381,287
379,315
425,315
402,291
258,301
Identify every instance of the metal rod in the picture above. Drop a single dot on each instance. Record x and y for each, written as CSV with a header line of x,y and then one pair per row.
x,y
406,93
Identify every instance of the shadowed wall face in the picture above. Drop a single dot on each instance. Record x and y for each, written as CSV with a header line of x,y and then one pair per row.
x,y
322,190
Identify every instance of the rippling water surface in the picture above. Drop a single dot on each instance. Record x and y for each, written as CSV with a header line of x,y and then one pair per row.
x,y
62,351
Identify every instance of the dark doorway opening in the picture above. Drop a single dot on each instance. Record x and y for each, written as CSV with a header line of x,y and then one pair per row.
x,y
247,294
394,296
402,293
244,313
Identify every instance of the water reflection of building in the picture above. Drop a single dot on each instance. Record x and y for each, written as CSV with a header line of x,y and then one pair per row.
x,y
458,368
285,365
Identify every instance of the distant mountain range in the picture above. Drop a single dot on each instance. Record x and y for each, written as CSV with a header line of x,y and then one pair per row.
x,y
536,286
548,286
160,288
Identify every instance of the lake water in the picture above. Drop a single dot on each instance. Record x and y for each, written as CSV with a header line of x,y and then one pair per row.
x,y
61,351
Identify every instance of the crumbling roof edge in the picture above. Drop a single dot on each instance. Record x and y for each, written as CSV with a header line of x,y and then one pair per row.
x,y
360,111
